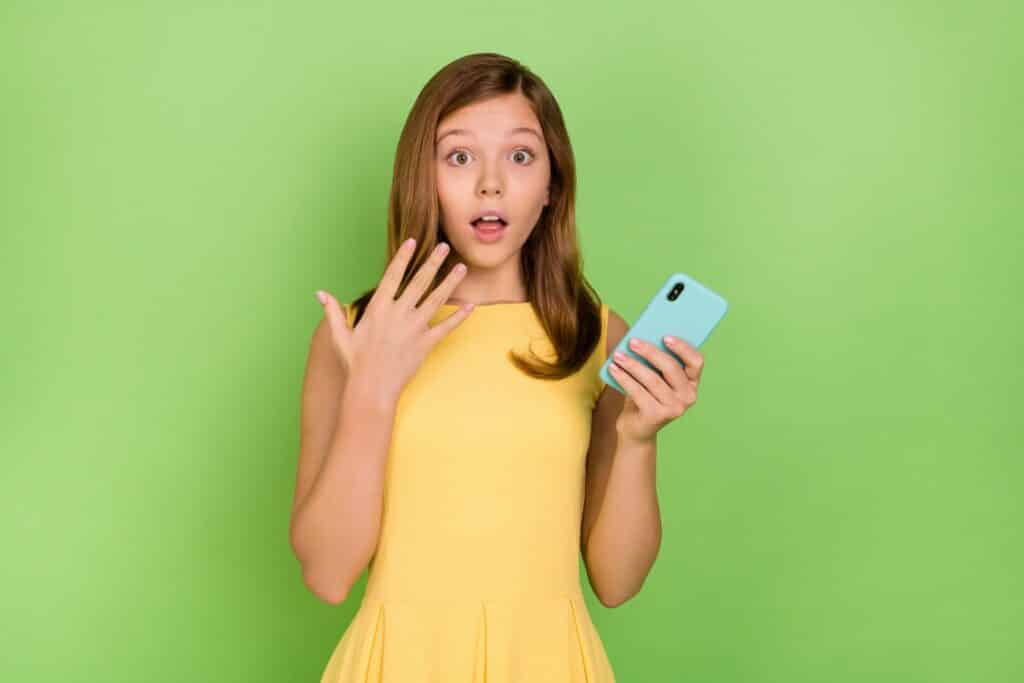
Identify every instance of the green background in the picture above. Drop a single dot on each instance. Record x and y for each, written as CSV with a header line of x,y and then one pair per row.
x,y
177,179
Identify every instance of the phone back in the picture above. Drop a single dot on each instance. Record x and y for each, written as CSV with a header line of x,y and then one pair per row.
x,y
691,315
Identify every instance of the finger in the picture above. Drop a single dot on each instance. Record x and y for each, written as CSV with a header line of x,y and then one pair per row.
x,y
635,389
655,385
692,358
670,367
337,320
443,290
395,271
424,276
438,331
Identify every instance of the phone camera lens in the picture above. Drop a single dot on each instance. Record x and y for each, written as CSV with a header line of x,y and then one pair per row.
x,y
676,289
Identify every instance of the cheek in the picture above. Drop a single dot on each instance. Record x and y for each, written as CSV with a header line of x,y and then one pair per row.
x,y
534,183
450,189
443,184
446,204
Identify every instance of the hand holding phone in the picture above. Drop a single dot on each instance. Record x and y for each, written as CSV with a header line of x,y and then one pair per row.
x,y
682,307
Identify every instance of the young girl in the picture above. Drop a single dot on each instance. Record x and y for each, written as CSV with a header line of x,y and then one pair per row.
x,y
457,439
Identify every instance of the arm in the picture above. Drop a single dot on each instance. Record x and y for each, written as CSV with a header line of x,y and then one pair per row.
x,y
621,530
345,436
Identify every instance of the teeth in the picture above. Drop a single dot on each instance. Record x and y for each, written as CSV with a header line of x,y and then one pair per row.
x,y
489,218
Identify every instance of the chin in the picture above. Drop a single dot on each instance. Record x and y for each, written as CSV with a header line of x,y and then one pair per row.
x,y
484,256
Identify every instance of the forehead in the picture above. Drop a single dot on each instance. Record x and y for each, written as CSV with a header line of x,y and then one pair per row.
x,y
492,117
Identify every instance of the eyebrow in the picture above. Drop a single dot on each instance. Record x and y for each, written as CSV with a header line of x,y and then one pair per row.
x,y
463,131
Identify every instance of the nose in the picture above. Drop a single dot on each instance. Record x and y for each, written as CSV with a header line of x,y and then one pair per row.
x,y
490,182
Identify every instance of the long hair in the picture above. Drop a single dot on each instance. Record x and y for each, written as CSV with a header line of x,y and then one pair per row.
x,y
564,301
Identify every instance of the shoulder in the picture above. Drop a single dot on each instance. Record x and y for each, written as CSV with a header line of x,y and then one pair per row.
x,y
617,328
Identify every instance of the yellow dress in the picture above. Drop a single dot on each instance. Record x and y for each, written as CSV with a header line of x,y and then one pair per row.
x,y
476,576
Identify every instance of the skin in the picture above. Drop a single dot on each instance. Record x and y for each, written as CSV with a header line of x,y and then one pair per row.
x,y
621,531
489,166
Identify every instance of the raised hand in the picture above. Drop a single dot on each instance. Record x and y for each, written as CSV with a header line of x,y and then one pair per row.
x,y
394,336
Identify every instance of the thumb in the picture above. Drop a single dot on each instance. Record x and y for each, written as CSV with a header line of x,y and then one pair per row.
x,y
337,319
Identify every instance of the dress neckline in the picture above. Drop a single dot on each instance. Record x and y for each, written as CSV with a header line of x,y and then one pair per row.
x,y
499,304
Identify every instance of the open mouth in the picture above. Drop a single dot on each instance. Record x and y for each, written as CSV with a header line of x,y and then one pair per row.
x,y
481,224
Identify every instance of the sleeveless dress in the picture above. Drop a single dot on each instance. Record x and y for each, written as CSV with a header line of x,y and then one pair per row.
x,y
476,575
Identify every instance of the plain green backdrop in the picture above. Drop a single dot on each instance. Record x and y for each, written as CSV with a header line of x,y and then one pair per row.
x,y
176,179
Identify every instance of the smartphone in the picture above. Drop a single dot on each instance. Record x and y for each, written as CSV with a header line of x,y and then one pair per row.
x,y
682,307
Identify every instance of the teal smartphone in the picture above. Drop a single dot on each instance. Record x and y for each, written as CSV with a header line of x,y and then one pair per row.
x,y
682,307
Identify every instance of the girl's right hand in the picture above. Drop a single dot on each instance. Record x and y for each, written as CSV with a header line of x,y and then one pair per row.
x,y
394,336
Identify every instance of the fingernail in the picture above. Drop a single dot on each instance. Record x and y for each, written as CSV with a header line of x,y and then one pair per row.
x,y
321,296
670,340
620,356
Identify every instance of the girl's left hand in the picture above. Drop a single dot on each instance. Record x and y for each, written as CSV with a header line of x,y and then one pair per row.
x,y
654,400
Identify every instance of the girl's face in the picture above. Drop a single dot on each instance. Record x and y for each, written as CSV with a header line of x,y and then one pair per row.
x,y
491,155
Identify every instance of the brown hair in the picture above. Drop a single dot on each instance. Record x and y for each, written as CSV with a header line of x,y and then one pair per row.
x,y
565,302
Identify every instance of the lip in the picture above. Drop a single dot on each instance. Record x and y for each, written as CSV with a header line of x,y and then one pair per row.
x,y
489,212
489,235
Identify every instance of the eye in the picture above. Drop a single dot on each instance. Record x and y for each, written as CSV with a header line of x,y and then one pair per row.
x,y
458,151
524,149
463,152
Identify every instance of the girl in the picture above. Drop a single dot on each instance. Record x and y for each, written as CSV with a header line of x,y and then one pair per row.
x,y
457,439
